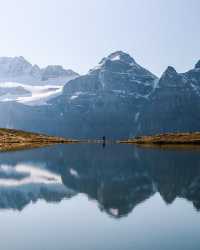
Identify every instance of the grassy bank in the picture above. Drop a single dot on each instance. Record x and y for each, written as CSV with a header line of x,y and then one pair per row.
x,y
11,139
166,139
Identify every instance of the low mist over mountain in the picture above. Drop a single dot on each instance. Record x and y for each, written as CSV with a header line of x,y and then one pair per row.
x,y
18,69
32,95
117,98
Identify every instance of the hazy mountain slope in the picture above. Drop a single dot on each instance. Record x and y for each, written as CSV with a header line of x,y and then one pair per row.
x,y
18,69
175,104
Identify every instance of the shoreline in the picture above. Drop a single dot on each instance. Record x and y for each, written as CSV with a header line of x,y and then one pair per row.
x,y
13,140
166,139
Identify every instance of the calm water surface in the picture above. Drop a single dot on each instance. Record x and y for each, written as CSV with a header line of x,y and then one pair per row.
x,y
86,197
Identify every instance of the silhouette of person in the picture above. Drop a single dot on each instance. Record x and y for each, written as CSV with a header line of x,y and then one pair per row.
x,y
104,141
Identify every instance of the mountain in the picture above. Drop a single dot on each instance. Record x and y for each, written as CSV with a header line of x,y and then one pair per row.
x,y
106,101
174,105
119,74
118,98
18,69
23,82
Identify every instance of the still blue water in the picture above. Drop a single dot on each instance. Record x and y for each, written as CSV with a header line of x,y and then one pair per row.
x,y
86,197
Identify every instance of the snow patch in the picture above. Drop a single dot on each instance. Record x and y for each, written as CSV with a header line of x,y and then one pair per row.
x,y
76,95
136,116
115,58
118,91
196,89
74,173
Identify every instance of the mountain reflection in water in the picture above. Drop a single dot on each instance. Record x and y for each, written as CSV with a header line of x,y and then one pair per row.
x,y
118,177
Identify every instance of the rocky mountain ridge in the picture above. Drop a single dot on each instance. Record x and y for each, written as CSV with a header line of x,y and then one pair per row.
x,y
174,105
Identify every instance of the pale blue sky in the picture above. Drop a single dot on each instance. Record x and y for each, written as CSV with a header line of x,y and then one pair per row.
x,y
78,33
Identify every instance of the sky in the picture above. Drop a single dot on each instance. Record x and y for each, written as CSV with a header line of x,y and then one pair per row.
x,y
79,33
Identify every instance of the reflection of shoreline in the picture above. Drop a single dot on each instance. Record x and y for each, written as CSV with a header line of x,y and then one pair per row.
x,y
23,184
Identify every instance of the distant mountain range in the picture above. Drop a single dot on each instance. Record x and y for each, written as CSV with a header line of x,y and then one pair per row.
x,y
29,84
18,69
119,99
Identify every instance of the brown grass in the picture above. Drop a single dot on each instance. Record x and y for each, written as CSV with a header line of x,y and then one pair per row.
x,y
167,139
11,139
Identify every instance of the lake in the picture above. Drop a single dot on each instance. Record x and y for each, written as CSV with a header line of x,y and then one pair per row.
x,y
89,197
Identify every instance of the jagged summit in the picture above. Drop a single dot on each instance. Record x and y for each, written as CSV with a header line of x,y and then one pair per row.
x,y
169,72
119,56
15,58
7,63
120,62
171,79
53,71
197,66
117,73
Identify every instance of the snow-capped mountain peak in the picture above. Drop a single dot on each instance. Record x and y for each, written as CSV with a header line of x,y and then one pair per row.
x,y
119,56
18,69
14,66
122,63
118,73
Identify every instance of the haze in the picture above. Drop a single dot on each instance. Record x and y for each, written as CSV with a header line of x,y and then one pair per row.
x,y
77,34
